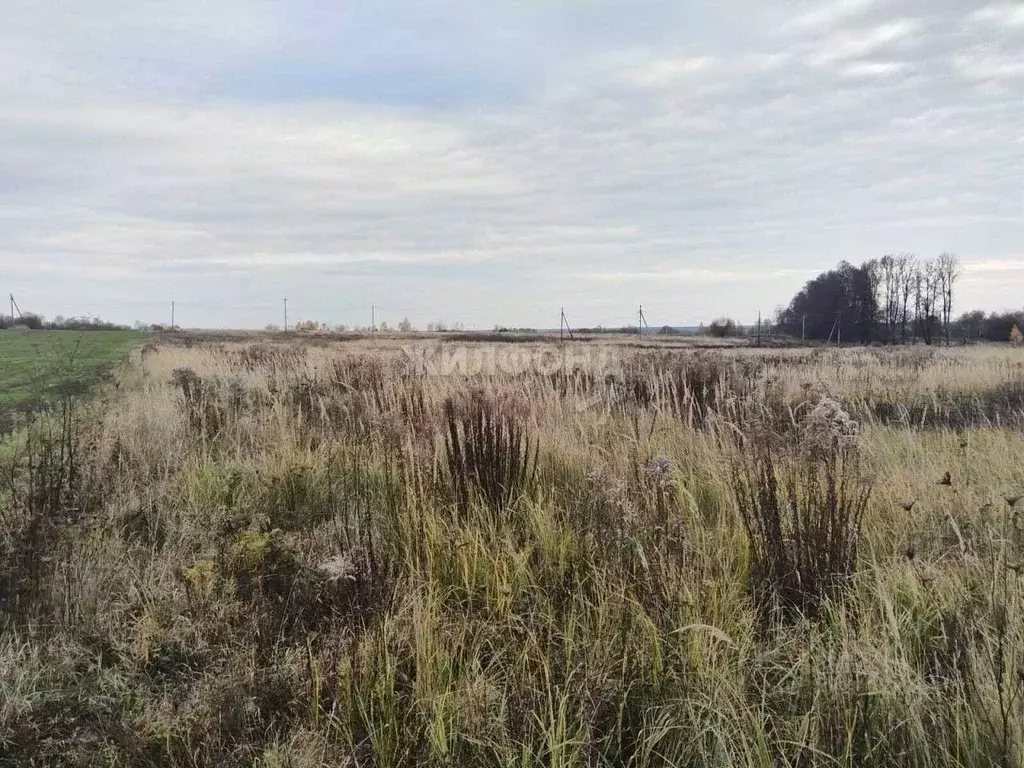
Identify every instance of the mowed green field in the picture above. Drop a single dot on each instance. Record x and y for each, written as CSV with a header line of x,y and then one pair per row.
x,y
36,366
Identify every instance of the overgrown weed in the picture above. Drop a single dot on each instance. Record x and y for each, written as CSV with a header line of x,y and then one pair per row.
x,y
310,556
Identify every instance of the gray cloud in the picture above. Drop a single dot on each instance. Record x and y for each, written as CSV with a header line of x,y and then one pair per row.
x,y
491,163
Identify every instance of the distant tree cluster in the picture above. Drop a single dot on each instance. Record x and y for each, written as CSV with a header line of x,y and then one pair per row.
x,y
36,322
311,326
839,303
897,298
996,326
442,326
722,328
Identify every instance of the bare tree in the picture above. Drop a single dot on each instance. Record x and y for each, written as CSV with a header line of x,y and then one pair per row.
x,y
927,286
919,301
947,269
906,276
895,276
885,269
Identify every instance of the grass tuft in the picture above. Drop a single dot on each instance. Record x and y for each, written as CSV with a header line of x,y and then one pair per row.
x,y
489,453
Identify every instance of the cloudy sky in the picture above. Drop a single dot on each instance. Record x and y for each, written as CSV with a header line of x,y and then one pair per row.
x,y
488,162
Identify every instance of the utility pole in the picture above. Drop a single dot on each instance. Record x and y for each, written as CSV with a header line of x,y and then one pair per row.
x,y
839,328
373,318
12,309
759,329
642,323
172,315
286,314
564,324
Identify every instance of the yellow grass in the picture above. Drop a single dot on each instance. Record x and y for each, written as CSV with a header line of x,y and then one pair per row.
x,y
274,572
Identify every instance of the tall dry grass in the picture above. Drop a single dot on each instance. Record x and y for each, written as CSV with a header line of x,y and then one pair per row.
x,y
299,556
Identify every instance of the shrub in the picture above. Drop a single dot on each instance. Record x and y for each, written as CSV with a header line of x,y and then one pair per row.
x,y
802,511
724,327
41,493
697,386
32,322
489,454
201,404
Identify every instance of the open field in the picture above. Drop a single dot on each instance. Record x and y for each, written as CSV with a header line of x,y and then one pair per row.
x,y
36,366
382,552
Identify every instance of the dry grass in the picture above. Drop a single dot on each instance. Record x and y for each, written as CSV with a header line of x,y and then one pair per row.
x,y
264,553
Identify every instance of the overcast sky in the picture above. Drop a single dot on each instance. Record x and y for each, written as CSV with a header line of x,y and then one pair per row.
x,y
489,161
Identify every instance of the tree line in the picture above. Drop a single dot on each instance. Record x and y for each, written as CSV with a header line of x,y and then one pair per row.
x,y
36,322
898,298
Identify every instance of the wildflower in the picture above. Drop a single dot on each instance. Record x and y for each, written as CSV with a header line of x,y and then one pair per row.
x,y
828,428
339,568
659,471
